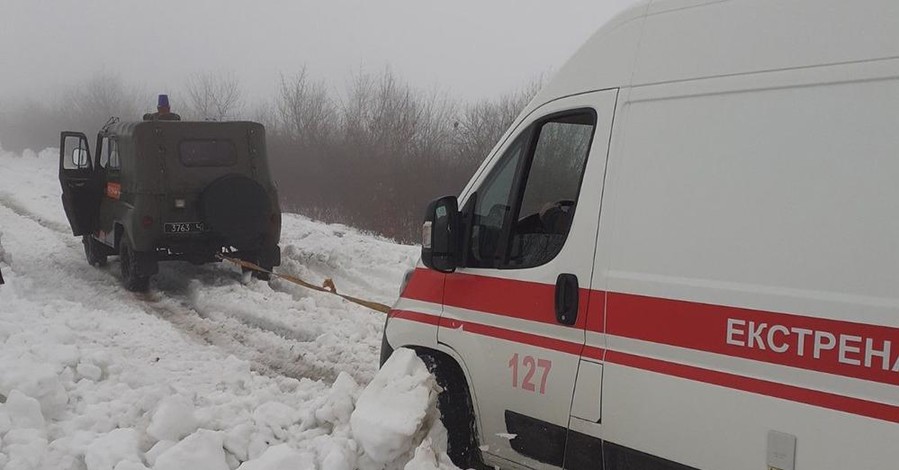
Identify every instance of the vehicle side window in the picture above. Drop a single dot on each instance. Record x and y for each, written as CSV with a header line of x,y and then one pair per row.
x,y
207,153
114,163
103,152
492,204
521,215
551,190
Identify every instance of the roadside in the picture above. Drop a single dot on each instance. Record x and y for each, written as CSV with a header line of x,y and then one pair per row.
x,y
208,370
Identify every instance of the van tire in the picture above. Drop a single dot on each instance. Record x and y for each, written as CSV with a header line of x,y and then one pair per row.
x,y
93,251
133,276
456,410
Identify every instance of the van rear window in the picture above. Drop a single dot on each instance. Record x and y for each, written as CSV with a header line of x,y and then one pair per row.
x,y
207,153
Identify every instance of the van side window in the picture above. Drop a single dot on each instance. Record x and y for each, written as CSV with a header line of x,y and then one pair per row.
x,y
521,215
551,190
103,152
114,163
492,204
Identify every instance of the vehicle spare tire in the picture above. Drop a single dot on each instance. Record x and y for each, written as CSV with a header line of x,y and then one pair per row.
x,y
237,209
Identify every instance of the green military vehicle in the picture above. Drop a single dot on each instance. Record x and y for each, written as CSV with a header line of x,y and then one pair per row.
x,y
171,190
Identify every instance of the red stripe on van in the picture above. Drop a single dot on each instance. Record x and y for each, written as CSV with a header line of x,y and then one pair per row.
x,y
817,398
531,301
692,325
425,285
513,335
415,316
704,327
592,352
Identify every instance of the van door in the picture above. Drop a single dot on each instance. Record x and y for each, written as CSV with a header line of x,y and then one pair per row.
x,y
515,313
80,189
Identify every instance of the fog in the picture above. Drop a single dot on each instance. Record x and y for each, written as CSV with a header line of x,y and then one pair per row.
x,y
371,108
468,48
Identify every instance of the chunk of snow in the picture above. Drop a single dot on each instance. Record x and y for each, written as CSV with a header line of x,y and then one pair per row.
x,y
112,448
158,449
428,458
393,407
237,440
5,423
89,371
173,419
129,465
275,416
280,457
25,448
201,450
338,406
38,381
24,411
338,454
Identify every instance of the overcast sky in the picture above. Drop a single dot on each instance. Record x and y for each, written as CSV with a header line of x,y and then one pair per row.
x,y
468,48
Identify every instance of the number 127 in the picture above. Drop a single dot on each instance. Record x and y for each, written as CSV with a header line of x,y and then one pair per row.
x,y
530,365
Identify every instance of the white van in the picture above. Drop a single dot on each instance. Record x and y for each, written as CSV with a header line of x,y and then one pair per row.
x,y
683,254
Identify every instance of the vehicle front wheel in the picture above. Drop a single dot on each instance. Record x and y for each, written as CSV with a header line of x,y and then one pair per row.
x,y
456,411
95,254
133,276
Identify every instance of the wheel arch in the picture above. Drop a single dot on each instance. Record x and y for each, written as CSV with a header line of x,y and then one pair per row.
x,y
446,361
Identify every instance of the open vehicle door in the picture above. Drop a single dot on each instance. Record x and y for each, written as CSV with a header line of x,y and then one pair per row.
x,y
81,191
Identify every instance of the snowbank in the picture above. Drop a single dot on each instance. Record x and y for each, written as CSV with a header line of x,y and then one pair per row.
x,y
204,372
392,423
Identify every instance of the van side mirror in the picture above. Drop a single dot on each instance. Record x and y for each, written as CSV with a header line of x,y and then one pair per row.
x,y
441,235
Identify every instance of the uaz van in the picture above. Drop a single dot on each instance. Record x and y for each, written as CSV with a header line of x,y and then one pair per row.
x,y
684,254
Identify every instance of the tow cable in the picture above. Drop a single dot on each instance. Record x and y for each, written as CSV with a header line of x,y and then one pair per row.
x,y
327,287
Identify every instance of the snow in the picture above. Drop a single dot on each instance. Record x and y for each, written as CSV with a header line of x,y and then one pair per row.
x,y
201,450
109,450
173,419
393,409
207,370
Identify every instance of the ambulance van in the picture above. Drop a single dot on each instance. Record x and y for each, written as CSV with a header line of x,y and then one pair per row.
x,y
684,254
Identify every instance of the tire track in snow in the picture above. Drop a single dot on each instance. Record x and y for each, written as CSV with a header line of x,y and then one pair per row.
x,y
10,202
267,351
276,351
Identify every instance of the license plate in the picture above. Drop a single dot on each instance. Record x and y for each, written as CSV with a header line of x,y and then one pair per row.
x,y
183,227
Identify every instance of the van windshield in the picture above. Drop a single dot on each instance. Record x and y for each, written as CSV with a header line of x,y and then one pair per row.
x,y
207,153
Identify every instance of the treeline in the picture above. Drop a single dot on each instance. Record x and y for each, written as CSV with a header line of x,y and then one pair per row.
x,y
370,154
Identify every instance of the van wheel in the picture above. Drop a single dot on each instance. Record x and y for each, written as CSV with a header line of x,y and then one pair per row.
x,y
456,411
95,254
132,276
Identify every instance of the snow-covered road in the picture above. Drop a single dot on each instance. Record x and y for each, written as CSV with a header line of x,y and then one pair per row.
x,y
210,369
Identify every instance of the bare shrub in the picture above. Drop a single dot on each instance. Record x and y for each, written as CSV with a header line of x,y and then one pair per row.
x,y
214,96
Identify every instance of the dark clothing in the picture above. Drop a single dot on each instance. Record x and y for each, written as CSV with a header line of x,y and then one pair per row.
x,y
162,117
1,277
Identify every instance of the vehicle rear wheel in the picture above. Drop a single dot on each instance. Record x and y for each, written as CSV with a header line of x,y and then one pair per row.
x,y
456,412
132,272
93,251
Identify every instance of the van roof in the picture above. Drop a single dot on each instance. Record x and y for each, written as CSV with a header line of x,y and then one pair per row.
x,y
659,41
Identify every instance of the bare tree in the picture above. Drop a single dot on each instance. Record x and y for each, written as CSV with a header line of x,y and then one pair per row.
x,y
214,96
482,124
93,101
305,110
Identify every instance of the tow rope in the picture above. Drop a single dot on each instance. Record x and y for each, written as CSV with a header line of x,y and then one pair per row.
x,y
327,287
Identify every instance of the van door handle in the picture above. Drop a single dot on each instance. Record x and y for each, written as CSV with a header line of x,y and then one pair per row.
x,y
567,294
